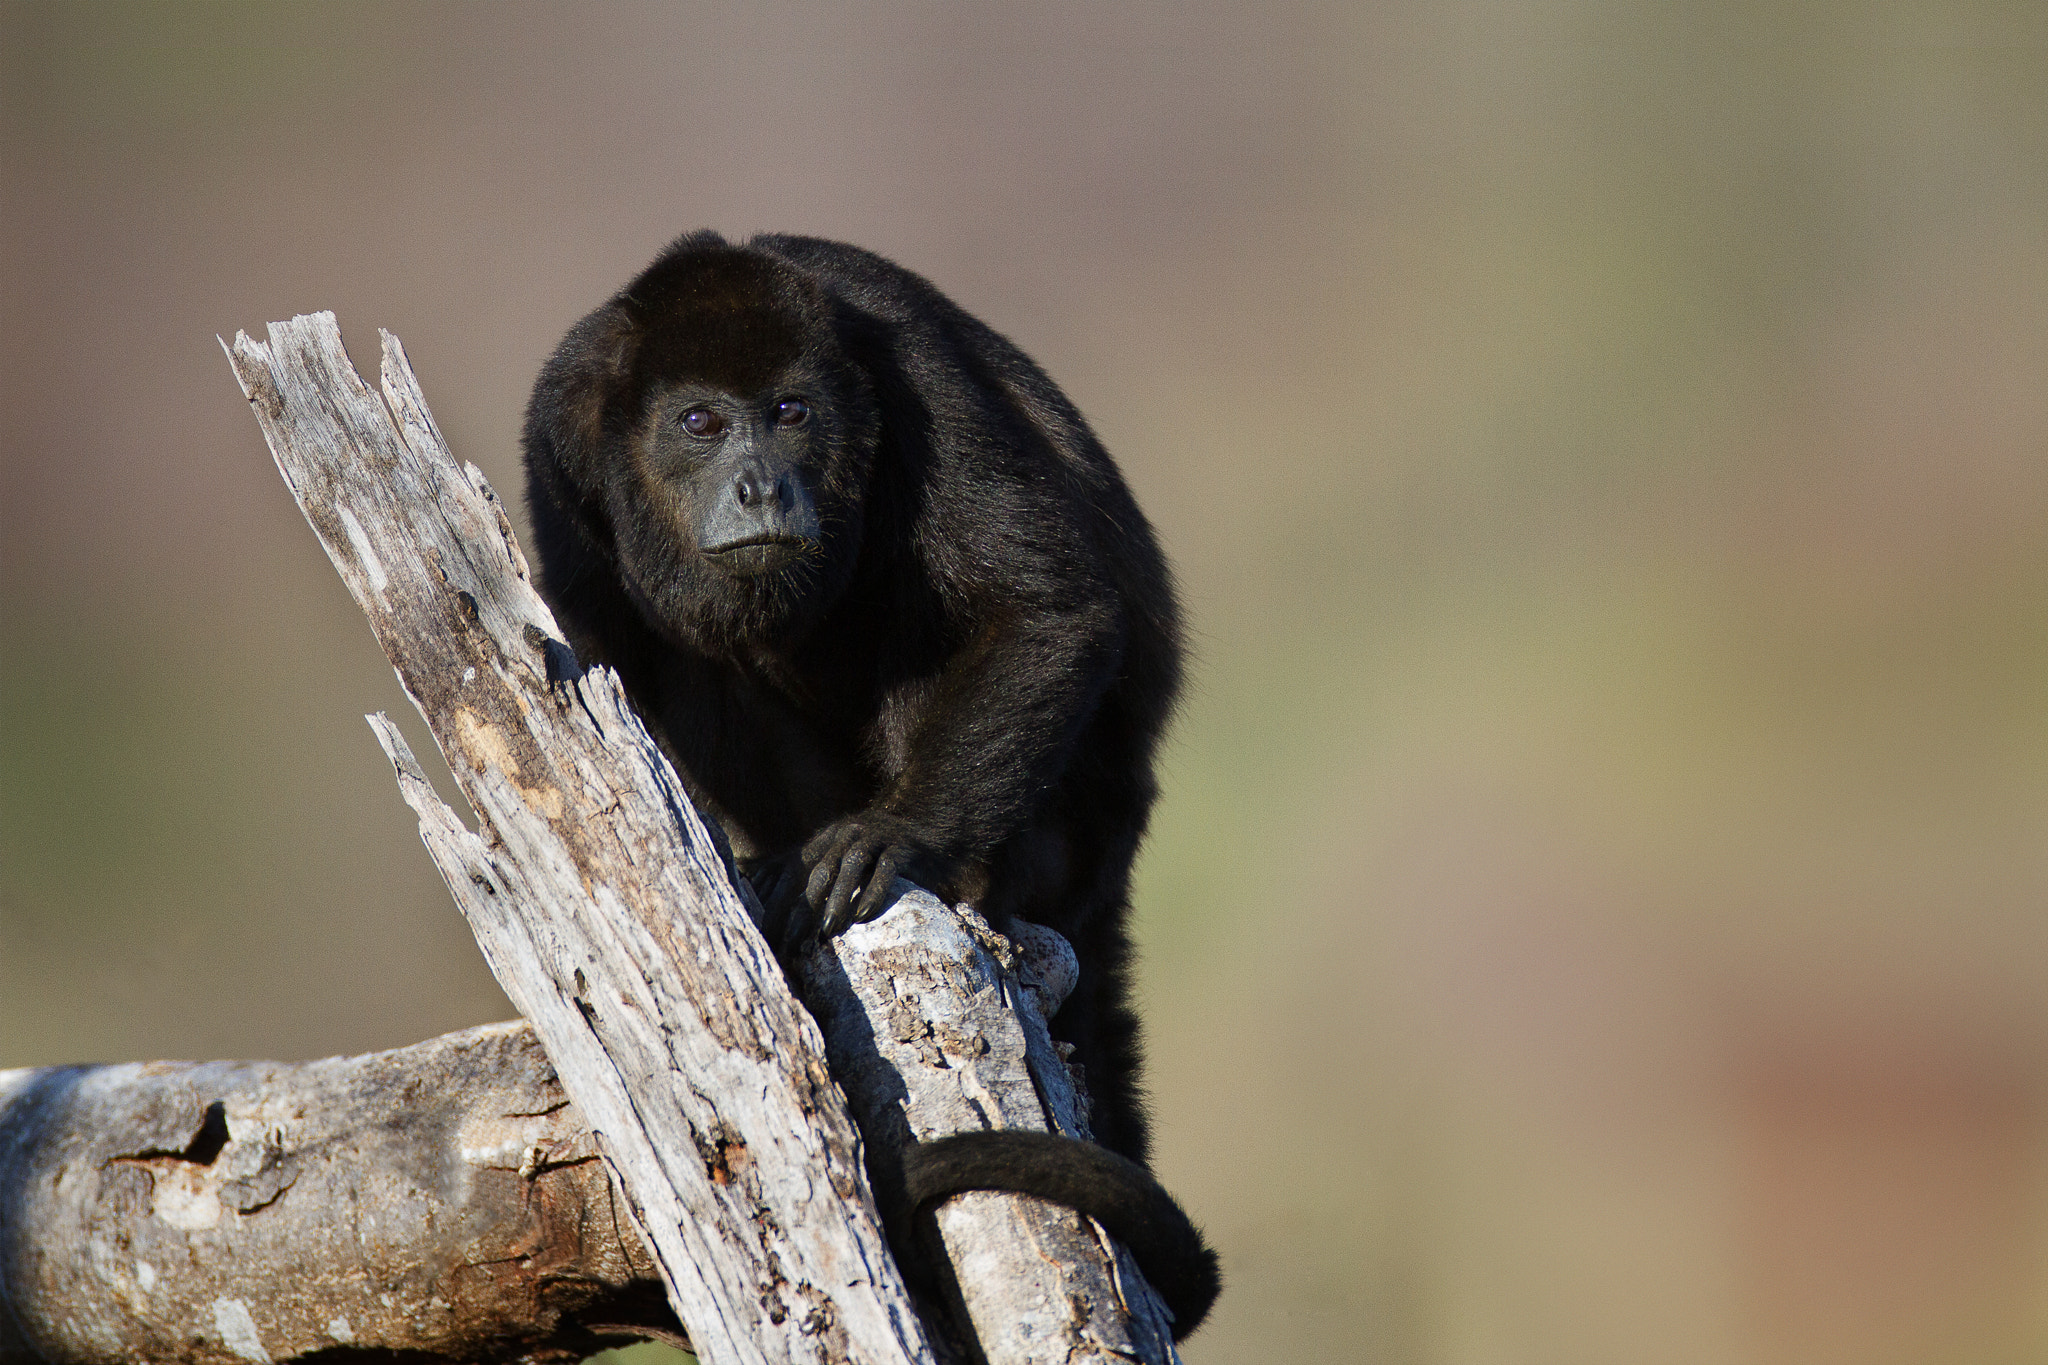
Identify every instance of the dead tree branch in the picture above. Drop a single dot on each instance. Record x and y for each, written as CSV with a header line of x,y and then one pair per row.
x,y
444,1200
595,892
447,1201
602,906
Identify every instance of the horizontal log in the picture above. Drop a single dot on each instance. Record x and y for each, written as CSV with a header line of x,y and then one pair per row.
x,y
447,1201
444,1200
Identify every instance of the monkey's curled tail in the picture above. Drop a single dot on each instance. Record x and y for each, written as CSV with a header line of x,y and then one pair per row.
x,y
1113,1190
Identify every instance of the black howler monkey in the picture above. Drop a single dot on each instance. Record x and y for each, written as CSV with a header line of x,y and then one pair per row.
x,y
890,606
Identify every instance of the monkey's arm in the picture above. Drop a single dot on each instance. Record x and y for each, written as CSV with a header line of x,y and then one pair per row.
x,y
981,745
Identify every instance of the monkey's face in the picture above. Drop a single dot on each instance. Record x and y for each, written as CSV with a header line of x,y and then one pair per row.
x,y
741,517
712,438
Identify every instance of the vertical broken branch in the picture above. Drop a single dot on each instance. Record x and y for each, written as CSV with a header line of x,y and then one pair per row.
x,y
592,887
603,908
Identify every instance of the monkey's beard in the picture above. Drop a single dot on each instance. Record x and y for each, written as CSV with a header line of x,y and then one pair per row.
x,y
702,607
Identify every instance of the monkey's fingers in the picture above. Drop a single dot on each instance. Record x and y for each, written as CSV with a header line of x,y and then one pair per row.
x,y
804,923
797,922
822,856
875,898
851,874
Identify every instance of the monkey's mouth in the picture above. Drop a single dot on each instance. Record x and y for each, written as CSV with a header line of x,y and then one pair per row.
x,y
756,554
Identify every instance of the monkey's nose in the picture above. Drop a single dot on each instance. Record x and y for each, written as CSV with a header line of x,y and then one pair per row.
x,y
752,488
761,506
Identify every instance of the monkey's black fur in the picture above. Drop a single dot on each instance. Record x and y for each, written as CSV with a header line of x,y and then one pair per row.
x,y
891,608
1116,1191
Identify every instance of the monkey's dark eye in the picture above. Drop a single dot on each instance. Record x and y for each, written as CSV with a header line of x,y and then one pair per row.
x,y
703,422
791,412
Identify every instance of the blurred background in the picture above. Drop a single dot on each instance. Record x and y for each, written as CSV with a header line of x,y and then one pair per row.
x,y
1596,910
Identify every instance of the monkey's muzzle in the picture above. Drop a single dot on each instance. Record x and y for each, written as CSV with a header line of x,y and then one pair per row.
x,y
757,555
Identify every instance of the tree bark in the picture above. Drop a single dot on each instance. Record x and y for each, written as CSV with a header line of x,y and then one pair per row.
x,y
595,892
935,1024
444,1200
447,1202
603,907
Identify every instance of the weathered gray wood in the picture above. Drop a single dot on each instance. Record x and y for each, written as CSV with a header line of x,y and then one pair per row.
x,y
592,887
603,909
934,1025
448,1200
444,1199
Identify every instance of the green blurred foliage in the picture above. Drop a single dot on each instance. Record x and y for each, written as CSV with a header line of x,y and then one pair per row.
x,y
646,1353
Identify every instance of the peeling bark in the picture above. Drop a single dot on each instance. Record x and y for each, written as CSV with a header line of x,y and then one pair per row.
x,y
934,1025
443,1200
447,1201
597,895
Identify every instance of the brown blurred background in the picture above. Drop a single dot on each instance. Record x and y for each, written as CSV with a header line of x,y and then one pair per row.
x,y
1596,912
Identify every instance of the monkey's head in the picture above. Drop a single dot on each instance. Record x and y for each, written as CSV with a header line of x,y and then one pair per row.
x,y
708,436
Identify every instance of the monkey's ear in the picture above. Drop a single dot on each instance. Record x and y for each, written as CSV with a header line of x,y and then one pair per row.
x,y
581,401
584,390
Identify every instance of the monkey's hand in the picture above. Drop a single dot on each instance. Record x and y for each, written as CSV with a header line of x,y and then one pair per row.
x,y
841,877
